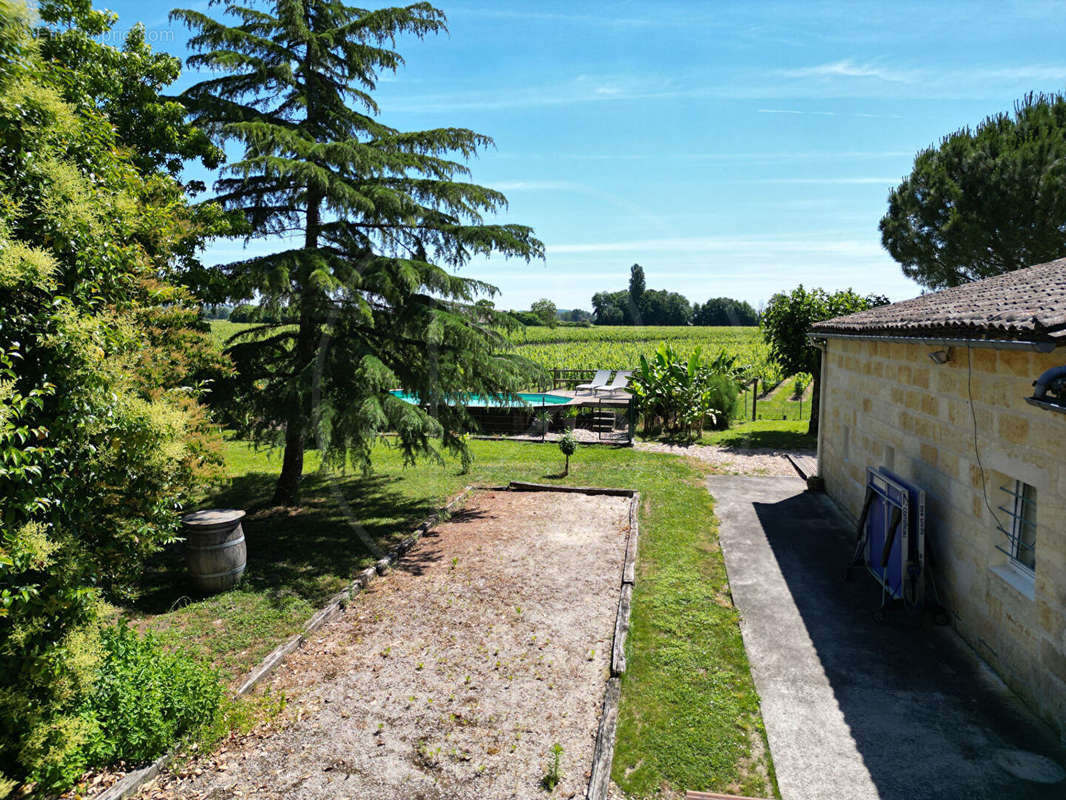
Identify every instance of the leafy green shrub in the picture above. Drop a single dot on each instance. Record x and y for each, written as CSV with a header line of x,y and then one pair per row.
x,y
139,699
722,395
102,441
145,698
679,396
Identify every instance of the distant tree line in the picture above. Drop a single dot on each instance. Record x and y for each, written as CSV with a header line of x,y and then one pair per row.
x,y
724,311
642,306
578,316
216,310
636,305
539,317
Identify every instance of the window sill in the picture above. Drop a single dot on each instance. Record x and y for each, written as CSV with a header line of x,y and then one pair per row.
x,y
1023,584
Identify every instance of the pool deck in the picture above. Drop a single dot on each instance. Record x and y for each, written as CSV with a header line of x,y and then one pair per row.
x,y
589,399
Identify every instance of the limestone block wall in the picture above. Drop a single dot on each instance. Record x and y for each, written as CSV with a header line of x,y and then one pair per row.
x,y
962,430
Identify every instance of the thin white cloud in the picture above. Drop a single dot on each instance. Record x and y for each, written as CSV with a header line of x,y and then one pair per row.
x,y
847,68
795,111
1021,73
536,186
581,89
815,113
599,20
838,79
826,244
836,155
849,78
830,181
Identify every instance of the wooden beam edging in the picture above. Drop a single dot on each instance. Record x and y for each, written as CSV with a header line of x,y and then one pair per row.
x,y
603,755
621,629
523,486
135,780
132,782
625,598
629,571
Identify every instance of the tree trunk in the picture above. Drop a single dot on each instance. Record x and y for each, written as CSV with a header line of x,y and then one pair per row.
x,y
287,489
816,393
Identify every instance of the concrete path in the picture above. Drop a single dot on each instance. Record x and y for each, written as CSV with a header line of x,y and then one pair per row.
x,y
854,708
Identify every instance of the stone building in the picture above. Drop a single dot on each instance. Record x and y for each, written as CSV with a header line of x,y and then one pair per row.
x,y
945,390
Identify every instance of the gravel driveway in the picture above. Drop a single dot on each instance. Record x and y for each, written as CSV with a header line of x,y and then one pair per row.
x,y
454,676
733,460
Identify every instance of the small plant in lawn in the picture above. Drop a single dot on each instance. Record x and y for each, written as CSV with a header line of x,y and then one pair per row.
x,y
800,387
553,776
568,444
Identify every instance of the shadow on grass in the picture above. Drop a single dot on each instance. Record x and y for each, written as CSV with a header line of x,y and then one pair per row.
x,y
310,551
744,439
555,476
776,440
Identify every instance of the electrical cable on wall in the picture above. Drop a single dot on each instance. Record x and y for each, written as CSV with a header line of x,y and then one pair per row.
x,y
976,449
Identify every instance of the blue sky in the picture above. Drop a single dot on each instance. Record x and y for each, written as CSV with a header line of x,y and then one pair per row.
x,y
732,149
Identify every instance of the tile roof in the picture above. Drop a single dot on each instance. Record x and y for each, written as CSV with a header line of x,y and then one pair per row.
x,y
1027,304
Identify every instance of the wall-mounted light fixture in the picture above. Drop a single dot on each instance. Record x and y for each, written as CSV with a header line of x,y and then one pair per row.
x,y
941,356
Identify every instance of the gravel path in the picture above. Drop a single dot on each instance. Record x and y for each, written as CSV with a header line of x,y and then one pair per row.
x,y
734,461
455,675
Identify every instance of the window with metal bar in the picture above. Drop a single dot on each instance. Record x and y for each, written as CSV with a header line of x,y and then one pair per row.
x,y
1020,509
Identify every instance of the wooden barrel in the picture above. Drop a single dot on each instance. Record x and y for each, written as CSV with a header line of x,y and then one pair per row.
x,y
215,551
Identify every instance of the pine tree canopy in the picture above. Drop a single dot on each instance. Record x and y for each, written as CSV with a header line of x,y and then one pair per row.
x,y
376,219
984,201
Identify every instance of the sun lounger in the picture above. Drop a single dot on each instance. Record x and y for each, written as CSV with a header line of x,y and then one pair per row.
x,y
620,382
602,376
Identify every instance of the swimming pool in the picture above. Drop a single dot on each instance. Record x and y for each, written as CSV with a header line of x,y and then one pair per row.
x,y
477,401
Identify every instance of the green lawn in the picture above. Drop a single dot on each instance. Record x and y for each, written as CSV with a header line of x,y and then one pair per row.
x,y
689,717
223,329
775,434
781,403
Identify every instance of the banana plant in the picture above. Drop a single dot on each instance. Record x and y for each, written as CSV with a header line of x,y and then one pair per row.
x,y
679,396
